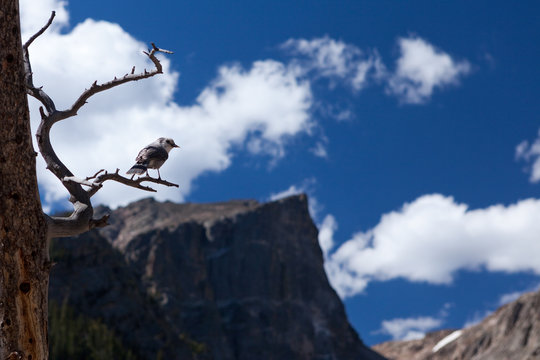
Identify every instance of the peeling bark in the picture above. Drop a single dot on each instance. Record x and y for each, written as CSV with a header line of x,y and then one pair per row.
x,y
24,262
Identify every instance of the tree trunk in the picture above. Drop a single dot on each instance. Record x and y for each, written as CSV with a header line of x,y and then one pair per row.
x,y
24,261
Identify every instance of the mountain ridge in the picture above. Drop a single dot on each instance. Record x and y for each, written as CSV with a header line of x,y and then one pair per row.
x,y
511,332
238,279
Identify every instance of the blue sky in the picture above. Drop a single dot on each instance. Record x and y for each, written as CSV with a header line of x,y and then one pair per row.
x,y
412,125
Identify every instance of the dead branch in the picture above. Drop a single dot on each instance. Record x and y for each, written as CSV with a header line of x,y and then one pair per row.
x,y
81,218
136,183
96,88
41,31
97,184
31,90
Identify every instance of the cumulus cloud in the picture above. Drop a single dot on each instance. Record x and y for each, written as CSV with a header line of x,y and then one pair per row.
x,y
421,69
336,60
431,238
35,15
326,234
409,328
530,153
290,191
255,109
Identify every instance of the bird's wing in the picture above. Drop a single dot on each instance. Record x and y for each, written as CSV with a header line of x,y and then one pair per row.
x,y
151,152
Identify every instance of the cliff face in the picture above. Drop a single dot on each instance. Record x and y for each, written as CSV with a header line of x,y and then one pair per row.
x,y
512,332
235,280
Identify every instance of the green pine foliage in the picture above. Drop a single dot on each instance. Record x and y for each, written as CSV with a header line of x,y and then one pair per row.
x,y
73,336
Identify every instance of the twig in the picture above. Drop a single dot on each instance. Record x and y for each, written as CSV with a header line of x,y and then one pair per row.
x,y
95,175
97,88
136,183
31,90
41,31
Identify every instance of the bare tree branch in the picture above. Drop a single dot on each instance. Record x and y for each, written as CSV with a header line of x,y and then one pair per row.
x,y
31,90
99,180
41,31
136,183
81,218
97,88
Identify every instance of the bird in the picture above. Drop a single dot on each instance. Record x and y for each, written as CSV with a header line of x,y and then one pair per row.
x,y
152,156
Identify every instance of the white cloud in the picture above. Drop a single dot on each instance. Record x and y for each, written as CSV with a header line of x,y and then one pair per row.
x,y
335,59
344,115
320,149
290,191
530,153
431,238
409,328
307,187
326,234
34,15
255,109
422,68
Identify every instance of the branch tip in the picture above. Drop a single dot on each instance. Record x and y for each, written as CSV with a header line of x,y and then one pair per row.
x,y
41,31
99,223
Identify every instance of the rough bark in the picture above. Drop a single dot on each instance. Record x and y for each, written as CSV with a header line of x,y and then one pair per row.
x,y
24,263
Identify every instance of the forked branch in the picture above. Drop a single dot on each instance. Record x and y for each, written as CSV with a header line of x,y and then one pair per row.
x,y
81,218
96,88
94,183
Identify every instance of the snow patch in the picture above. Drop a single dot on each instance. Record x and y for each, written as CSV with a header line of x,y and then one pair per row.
x,y
447,340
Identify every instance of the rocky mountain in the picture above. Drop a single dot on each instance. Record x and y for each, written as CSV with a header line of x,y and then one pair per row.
x,y
232,280
510,333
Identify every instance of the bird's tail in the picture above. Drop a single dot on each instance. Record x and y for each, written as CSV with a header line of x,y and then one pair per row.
x,y
137,169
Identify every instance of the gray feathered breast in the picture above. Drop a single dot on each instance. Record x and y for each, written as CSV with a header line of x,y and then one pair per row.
x,y
152,156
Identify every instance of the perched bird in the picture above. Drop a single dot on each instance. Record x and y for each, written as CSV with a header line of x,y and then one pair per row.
x,y
152,156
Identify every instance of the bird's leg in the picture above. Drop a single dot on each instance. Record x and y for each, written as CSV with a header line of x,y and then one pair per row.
x,y
132,176
159,176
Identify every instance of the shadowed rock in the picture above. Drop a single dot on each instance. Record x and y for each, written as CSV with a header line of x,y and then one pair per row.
x,y
512,332
232,280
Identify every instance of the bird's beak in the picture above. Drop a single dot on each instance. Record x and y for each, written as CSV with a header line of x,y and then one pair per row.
x,y
176,146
